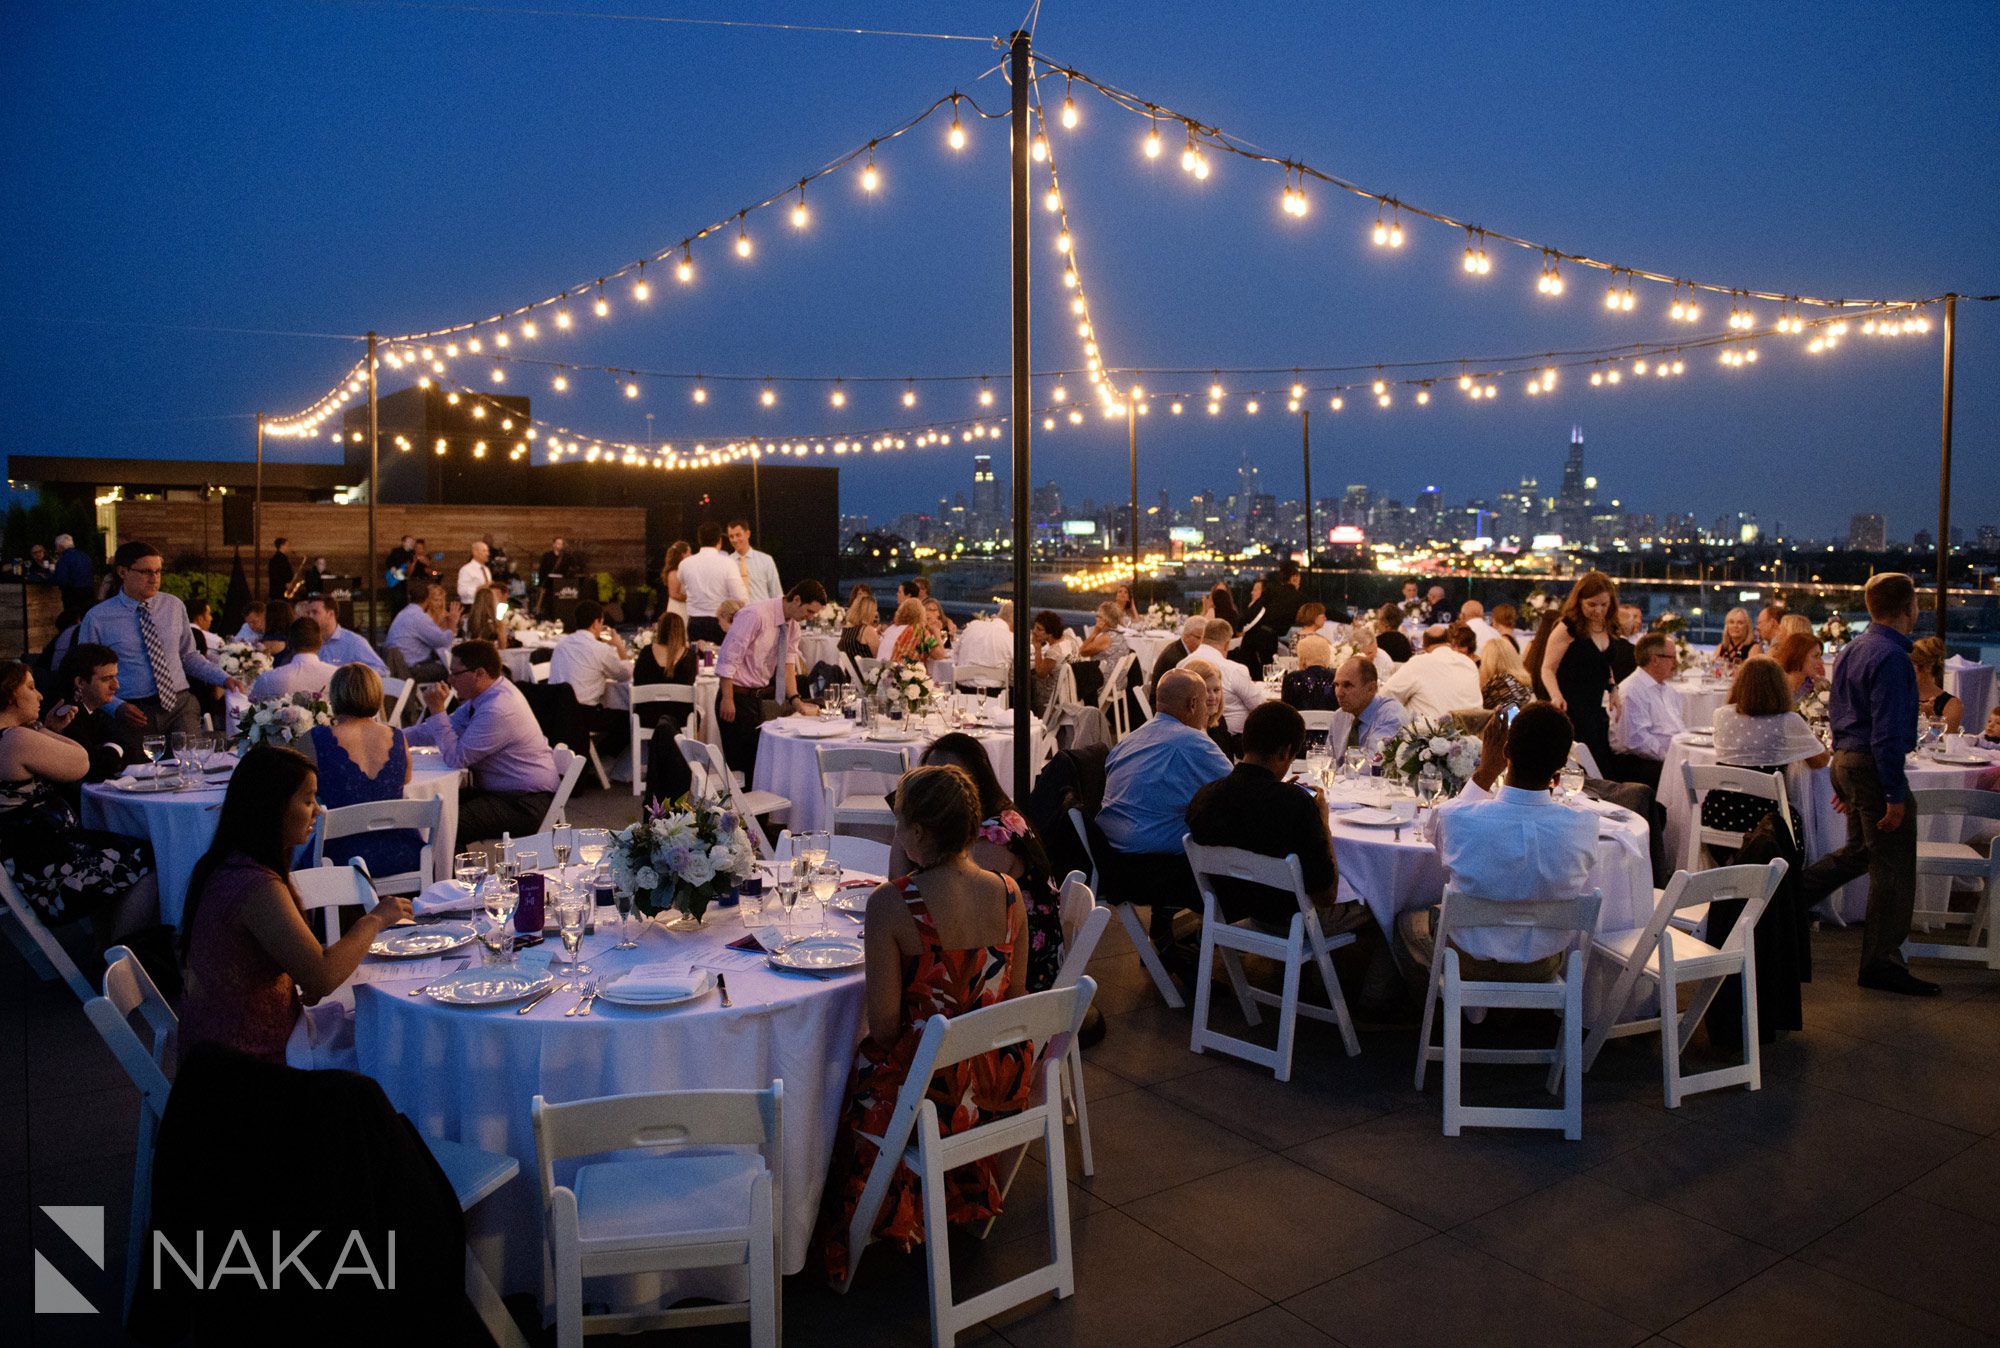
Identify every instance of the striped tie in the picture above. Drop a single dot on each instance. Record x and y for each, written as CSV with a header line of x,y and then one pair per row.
x,y
156,656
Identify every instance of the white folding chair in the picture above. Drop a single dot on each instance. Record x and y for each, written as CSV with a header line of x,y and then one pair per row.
x,y
1303,939
1698,782
972,677
1128,917
1144,706
395,697
1579,754
867,668
690,1205
1574,920
329,888
861,807
748,805
865,855
569,770
128,991
539,673
425,814
1111,699
44,951
1083,922
1063,689
1676,960
1046,1021
1320,722
647,694
1957,860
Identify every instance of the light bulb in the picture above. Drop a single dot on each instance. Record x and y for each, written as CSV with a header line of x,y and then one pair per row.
x,y
1381,233
1053,200
1060,394
956,136
1062,242
1465,381
1384,400
1200,167
1678,310
800,216
1069,277
1396,234
839,398
1175,408
1215,392
1153,145
1423,395
909,397
631,390
562,319
768,397
1336,403
870,179
1298,391
1038,150
1625,301
986,397
562,383
685,271
1251,407
602,307
1214,408
1471,264
1381,387
1187,158
1069,118
1612,376
1075,417
742,244
472,346
499,376
700,394
1611,297
529,331
1048,423
451,351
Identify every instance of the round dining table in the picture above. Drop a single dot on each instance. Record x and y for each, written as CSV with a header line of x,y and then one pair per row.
x,y
469,1074
788,756
181,824
1698,697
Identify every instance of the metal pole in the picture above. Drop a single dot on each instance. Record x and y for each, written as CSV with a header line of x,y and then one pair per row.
x,y
369,563
1306,455
756,495
257,516
1019,76
1132,446
1944,467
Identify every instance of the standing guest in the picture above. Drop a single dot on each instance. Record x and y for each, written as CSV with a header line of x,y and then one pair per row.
x,y
725,613
948,938
987,640
1437,683
493,734
339,646
201,617
74,576
1256,809
1472,616
756,569
475,575
149,632
1502,622
904,636
1797,653
1240,691
280,572
1310,686
487,619
554,566
1503,679
756,661
305,672
1927,657
1757,729
1770,621
1649,714
1271,617
252,962
1576,664
590,658
63,870
670,579
88,682
1127,608
1738,642
422,630
1372,716
1170,656
362,761
710,578
251,633
1222,604
863,630
1873,713
396,572
1050,645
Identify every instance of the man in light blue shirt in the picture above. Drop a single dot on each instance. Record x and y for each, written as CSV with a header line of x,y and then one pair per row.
x,y
1370,717
421,631
337,645
148,631
493,734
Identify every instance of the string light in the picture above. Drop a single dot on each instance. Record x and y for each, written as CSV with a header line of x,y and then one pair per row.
x,y
1551,282
910,395
1053,200
603,306
685,271
1153,145
631,389
1476,261
1069,117
1038,149
956,136
769,397
742,239
801,217
839,395
561,383
699,394
870,178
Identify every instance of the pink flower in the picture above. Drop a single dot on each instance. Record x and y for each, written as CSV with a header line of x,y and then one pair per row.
x,y
1009,826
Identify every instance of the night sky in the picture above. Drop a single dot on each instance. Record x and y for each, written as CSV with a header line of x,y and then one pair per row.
x,y
176,169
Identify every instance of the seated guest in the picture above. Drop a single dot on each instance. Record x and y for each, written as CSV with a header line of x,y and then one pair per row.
x,y
1510,843
1372,718
201,617
1797,653
1006,844
305,672
1204,665
1990,736
1105,641
337,645
989,640
486,620
1128,608
1472,616
277,627
492,733
1649,714
361,761
1435,684
1795,623
1311,620
1240,691
251,633
590,658
1738,642
863,632
1174,652
1050,645
1395,645
1502,622
667,658
1928,657
756,662
1222,605
1770,622
1438,612
1757,728
904,635
251,960
1503,679
422,630
937,624
948,938
1150,776
1310,686
63,870
88,681
1256,809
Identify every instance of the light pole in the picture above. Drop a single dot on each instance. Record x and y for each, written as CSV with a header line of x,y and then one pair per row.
x,y
1020,74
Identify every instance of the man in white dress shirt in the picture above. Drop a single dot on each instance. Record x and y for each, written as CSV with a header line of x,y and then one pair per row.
x,y
1510,843
475,575
1440,681
1472,614
1240,692
590,658
989,640
756,569
305,672
1649,714
710,577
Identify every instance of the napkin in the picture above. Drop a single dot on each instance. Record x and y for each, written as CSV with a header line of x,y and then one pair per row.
x,y
662,980
442,896
760,938
1960,662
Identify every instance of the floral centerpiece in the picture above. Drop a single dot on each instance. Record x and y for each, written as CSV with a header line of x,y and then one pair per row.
x,y
832,619
282,720
242,661
1435,744
1537,604
1815,696
1415,608
1159,617
682,856
905,685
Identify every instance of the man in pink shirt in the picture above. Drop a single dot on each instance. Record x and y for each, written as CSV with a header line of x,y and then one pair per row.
x,y
755,661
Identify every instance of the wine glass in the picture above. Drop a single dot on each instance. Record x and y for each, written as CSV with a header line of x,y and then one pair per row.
x,y
825,884
155,747
561,839
1571,780
571,912
498,900
788,895
1430,782
592,844
1355,760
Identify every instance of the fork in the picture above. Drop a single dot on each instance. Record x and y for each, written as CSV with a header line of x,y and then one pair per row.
x,y
582,1007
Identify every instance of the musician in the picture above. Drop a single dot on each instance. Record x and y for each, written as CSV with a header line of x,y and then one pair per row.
x,y
396,572
283,576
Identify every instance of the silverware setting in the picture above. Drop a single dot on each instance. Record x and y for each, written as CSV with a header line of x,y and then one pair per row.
x,y
722,986
582,1007
538,998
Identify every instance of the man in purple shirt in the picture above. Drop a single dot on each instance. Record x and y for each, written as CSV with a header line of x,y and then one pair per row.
x,y
492,733
1874,716
755,662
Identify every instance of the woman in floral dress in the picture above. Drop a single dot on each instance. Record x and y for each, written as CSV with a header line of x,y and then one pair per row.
x,y
947,938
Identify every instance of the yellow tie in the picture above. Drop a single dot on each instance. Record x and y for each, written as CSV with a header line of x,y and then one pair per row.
x,y
743,567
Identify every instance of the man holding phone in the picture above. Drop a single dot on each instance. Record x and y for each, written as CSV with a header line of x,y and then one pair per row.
x,y
86,685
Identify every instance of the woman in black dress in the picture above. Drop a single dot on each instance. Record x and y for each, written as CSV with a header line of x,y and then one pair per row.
x,y
1576,664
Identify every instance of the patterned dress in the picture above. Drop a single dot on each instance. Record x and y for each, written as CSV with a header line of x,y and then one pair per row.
x,y
65,871
937,982
1038,892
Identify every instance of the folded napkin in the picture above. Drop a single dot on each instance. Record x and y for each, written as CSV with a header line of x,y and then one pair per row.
x,y
443,896
661,980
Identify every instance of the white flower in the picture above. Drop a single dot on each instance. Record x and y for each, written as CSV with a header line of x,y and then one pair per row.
x,y
263,716
1439,745
646,878
698,870
1464,757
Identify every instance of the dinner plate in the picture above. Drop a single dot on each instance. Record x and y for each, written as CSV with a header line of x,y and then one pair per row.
x,y
476,986
816,953
400,943
610,992
1374,817
1962,760
820,730
891,736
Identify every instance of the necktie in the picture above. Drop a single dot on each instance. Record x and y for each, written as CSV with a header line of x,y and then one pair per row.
x,y
743,567
156,656
1353,730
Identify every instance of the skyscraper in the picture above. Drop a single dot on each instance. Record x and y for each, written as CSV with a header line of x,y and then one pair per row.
x,y
985,495
1868,533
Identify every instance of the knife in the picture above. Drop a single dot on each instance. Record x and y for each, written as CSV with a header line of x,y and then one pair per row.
x,y
536,1000
722,986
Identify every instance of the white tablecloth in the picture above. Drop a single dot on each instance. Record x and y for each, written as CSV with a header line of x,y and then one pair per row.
x,y
1971,684
1698,700
1148,645
788,763
181,824
818,648
1811,792
468,1074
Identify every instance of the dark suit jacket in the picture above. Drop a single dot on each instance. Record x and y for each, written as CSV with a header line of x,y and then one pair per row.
x,y
280,571
113,745
1174,653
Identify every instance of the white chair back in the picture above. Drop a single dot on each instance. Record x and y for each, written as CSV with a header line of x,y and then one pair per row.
x,y
425,814
1699,781
659,1122
327,889
865,855
395,697
43,948
129,991
980,676
651,694
1579,754
870,802
707,763
1956,861
569,768
1321,721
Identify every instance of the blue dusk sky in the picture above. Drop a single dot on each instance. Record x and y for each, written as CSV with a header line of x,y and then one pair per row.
x,y
195,189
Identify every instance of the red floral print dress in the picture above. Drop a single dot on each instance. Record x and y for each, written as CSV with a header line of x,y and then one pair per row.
x,y
937,982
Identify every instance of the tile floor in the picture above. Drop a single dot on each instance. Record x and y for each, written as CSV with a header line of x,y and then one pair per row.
x,y
1854,1200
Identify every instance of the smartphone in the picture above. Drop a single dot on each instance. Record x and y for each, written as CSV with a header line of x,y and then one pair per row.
x,y
1513,710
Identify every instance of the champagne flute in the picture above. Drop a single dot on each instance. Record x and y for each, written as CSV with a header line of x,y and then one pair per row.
x,y
825,884
571,912
561,839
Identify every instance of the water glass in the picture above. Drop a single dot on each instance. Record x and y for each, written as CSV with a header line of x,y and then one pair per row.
x,y
1355,760
825,884
1429,783
572,911
155,747
467,868
1571,780
496,939
592,844
750,903
561,839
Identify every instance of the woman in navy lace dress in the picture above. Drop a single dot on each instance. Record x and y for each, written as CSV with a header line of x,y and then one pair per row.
x,y
361,761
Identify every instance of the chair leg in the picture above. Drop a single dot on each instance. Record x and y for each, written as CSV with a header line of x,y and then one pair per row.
x,y
1288,1005
1670,1035
567,1259
763,1269
1073,1061
1335,998
937,1231
1204,984
638,773
1454,1029
1431,978
1751,1057
1061,1252
1569,1055
1148,956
